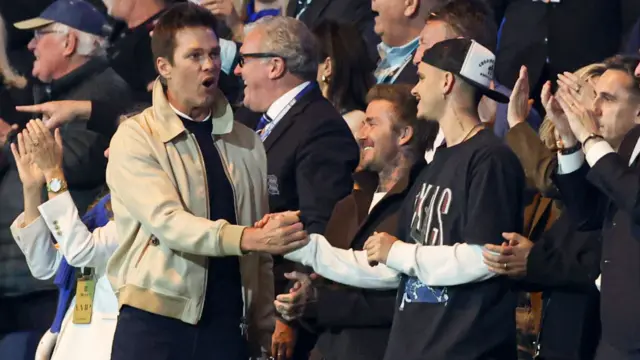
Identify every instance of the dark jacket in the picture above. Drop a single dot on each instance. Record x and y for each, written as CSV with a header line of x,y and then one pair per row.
x,y
83,163
356,12
311,156
605,197
570,34
355,323
563,262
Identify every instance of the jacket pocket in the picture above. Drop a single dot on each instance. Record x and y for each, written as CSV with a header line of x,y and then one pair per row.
x,y
152,241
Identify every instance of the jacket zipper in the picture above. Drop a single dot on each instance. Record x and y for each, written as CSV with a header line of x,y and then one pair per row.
x,y
208,210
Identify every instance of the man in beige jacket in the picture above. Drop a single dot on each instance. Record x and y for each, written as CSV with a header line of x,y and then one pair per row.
x,y
192,277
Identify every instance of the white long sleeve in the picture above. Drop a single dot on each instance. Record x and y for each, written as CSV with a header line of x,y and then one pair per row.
x,y
344,266
34,240
439,265
79,246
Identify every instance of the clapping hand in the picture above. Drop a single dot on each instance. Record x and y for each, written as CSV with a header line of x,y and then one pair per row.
x,y
519,103
45,148
582,120
29,172
378,246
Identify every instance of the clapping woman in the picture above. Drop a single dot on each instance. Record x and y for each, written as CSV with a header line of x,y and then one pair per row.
x,y
57,241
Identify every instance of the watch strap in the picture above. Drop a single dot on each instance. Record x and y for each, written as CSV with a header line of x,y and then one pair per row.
x,y
592,137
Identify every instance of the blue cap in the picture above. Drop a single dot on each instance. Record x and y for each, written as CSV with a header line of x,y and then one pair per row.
x,y
77,14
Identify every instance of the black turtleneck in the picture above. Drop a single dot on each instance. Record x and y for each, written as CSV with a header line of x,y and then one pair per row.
x,y
223,298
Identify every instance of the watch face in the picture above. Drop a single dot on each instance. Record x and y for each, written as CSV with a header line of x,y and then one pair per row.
x,y
55,185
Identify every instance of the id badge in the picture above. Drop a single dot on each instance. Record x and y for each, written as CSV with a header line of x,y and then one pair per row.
x,y
85,288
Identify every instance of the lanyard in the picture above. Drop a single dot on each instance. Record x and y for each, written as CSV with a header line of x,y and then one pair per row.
x,y
389,75
267,129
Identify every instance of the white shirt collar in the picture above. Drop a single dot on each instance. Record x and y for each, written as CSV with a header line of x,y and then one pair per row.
x,y
634,154
183,115
277,106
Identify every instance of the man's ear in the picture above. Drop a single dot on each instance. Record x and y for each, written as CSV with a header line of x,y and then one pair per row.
x,y
277,68
411,8
70,44
164,67
447,84
406,133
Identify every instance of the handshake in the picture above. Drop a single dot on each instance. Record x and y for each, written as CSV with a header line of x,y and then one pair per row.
x,y
275,234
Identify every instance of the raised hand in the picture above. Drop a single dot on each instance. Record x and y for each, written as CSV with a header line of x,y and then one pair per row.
x,y
582,121
28,170
557,116
519,105
585,90
378,246
46,149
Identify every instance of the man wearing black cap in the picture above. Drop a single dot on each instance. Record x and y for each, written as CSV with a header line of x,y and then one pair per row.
x,y
70,64
450,306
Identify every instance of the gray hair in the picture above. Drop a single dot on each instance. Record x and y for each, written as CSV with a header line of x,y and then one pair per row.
x,y
292,40
88,44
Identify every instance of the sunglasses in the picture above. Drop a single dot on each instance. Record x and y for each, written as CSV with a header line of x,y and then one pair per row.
x,y
242,57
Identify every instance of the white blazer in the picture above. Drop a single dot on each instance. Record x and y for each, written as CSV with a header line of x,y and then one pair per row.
x,y
60,220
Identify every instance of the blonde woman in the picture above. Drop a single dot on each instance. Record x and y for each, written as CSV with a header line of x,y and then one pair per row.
x,y
56,241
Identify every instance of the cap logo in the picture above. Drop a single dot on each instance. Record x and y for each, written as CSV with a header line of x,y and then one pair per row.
x,y
478,64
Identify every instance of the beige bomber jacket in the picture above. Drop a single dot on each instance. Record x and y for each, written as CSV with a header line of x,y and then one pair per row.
x,y
160,202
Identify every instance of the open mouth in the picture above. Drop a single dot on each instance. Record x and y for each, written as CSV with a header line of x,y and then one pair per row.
x,y
209,82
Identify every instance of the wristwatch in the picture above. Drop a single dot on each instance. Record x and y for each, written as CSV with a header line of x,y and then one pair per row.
x,y
592,136
56,185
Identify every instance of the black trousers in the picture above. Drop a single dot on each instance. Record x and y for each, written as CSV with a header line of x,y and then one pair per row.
x,y
32,312
143,335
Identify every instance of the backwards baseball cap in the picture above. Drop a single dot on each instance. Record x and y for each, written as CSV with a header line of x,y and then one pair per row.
x,y
467,59
77,14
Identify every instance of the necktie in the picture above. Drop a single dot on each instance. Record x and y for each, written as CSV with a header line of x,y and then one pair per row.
x,y
264,121
302,7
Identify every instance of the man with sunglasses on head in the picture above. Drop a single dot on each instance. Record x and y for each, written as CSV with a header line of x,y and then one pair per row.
x,y
310,150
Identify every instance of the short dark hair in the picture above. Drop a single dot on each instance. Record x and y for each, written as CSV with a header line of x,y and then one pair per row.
x,y
471,19
352,68
405,104
627,64
177,17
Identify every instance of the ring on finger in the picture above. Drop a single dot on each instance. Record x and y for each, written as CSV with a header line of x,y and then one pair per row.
x,y
505,266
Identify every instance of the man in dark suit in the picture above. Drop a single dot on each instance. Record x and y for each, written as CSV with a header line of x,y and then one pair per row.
x,y
550,37
358,12
602,194
310,150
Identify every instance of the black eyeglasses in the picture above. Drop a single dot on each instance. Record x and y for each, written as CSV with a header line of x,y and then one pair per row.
x,y
242,57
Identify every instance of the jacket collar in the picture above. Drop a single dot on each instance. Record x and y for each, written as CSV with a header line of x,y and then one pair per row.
x,y
170,125
54,89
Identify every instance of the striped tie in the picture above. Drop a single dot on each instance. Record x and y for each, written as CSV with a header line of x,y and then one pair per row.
x,y
264,121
